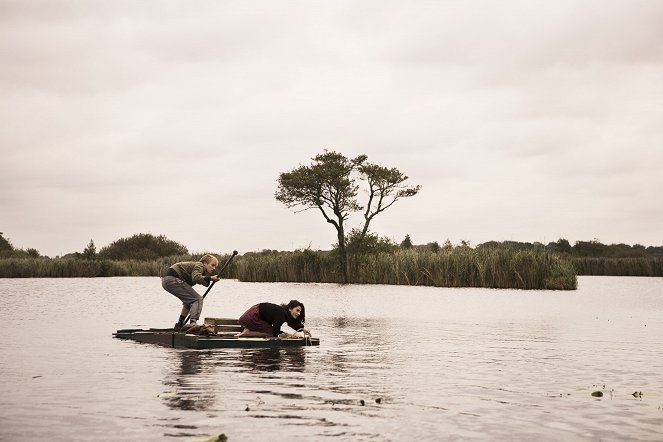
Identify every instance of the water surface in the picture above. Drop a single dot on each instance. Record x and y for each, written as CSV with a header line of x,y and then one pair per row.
x,y
394,364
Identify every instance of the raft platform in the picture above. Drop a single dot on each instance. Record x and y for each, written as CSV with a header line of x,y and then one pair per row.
x,y
222,337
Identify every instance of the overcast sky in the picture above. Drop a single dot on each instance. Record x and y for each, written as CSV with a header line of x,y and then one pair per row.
x,y
521,120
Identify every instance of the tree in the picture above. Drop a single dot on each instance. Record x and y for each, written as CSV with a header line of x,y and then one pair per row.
x,y
142,247
360,243
32,252
590,248
561,246
5,244
90,251
385,187
328,185
406,243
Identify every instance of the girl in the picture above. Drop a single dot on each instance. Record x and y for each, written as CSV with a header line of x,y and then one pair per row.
x,y
265,319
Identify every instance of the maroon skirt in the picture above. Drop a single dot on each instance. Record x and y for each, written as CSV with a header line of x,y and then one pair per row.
x,y
251,320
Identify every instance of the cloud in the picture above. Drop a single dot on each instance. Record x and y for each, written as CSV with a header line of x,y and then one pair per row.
x,y
520,119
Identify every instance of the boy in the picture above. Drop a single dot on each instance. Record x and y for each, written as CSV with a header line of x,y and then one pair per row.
x,y
179,280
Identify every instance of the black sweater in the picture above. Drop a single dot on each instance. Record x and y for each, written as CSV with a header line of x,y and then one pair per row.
x,y
276,315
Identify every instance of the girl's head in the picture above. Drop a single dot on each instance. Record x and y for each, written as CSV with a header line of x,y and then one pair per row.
x,y
296,311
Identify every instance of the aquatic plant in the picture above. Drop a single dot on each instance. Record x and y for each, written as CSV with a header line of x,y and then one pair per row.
x,y
457,267
493,267
640,266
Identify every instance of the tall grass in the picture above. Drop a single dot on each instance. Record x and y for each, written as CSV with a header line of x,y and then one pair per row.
x,y
76,268
466,267
642,266
298,266
88,268
498,267
460,267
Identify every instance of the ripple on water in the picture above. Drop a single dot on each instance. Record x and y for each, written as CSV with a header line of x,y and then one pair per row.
x,y
396,363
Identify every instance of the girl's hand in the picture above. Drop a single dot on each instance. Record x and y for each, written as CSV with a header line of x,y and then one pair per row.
x,y
304,331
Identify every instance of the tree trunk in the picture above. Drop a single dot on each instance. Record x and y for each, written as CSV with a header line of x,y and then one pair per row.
x,y
342,255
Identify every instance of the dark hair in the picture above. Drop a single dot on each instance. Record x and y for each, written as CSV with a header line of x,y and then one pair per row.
x,y
298,323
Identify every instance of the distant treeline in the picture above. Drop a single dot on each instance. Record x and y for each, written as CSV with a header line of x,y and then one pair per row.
x,y
492,264
585,249
140,247
139,255
595,258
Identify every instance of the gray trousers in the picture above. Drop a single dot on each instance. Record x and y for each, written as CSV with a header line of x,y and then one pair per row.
x,y
189,297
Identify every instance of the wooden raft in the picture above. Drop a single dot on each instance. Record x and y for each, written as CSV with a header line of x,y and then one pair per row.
x,y
223,337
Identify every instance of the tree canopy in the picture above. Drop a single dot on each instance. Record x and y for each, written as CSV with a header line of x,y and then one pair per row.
x,y
329,184
8,250
142,246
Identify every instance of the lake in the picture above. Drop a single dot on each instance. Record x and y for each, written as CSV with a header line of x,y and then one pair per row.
x,y
394,364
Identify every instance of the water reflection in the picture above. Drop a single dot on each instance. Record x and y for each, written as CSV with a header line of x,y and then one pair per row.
x,y
272,359
450,364
189,386
192,382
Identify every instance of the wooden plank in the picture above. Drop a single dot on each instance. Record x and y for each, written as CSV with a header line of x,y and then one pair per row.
x,y
164,338
224,325
227,328
210,343
221,321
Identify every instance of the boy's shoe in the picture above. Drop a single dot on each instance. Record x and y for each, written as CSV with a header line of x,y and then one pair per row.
x,y
178,327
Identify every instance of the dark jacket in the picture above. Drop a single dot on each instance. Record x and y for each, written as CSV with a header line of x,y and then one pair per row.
x,y
276,315
192,273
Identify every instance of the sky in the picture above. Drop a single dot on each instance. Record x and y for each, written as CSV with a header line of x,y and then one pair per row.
x,y
521,120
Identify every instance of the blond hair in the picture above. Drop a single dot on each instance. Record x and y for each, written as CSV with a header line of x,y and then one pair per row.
x,y
208,259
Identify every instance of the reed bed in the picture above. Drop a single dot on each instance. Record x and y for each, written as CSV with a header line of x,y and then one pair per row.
x,y
466,267
498,267
75,268
89,268
460,267
640,266
298,266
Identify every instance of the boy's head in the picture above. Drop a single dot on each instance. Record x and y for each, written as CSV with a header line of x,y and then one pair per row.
x,y
209,261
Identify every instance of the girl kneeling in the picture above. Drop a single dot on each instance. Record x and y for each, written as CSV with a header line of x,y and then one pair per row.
x,y
265,319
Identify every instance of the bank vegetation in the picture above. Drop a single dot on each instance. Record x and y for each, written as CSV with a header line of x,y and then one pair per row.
x,y
491,265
